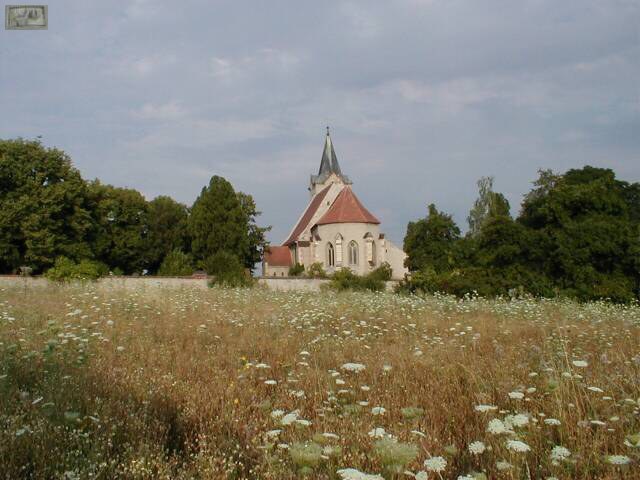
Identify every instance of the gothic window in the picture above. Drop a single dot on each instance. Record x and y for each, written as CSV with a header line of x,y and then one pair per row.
x,y
331,259
370,248
353,253
338,249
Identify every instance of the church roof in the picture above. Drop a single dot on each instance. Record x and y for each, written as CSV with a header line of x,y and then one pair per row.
x,y
312,208
346,208
278,256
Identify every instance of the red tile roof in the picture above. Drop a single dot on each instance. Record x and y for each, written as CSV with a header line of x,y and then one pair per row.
x,y
347,208
312,208
278,256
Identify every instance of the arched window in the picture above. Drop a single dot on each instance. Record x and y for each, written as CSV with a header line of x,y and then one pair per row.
x,y
370,248
353,253
331,259
339,249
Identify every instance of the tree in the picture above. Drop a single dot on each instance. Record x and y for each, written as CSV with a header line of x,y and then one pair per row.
x,y
489,204
44,207
168,229
257,239
176,264
429,241
589,236
122,218
219,222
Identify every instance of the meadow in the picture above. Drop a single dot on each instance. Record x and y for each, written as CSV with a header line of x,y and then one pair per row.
x,y
244,384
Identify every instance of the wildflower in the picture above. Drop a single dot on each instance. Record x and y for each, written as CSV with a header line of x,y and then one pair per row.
x,y
353,474
277,413
435,464
353,367
377,432
551,421
497,427
422,475
120,348
270,382
378,410
485,408
618,459
477,447
517,446
289,418
503,465
560,453
580,363
518,420
516,395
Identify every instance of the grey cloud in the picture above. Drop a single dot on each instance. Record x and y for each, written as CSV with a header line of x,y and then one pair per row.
x,y
423,96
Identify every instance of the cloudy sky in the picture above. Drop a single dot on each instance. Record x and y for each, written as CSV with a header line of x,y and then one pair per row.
x,y
423,96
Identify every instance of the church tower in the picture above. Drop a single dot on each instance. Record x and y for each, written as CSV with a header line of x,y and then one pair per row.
x,y
329,171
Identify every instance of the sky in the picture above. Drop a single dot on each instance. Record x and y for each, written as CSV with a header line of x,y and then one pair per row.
x,y
423,97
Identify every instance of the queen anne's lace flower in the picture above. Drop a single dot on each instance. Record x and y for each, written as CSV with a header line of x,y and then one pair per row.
x,y
435,464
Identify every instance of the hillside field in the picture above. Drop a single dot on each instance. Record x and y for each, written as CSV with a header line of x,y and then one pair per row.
x,y
244,384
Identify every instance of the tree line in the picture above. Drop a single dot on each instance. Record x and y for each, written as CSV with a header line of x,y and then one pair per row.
x,y
50,215
577,234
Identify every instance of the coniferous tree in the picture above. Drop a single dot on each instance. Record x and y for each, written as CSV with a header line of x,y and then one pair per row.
x,y
218,222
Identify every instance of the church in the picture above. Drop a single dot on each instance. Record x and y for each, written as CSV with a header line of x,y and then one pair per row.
x,y
335,230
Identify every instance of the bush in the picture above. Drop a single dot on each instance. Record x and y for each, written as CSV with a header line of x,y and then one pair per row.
x,y
315,270
176,264
383,272
296,270
345,279
65,269
227,270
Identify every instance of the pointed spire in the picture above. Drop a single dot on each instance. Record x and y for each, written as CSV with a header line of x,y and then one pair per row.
x,y
329,163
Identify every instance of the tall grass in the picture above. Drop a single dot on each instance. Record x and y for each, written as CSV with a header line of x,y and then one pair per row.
x,y
249,384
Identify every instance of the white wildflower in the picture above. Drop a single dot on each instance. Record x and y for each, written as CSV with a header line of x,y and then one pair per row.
x,y
477,447
517,446
435,464
560,453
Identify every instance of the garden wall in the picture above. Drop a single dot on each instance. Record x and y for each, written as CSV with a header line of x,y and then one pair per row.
x,y
143,283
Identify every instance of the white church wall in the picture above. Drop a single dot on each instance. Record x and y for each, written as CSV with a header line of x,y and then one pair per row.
x,y
349,232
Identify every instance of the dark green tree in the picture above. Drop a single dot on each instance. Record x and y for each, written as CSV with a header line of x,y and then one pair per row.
x,y
44,207
122,218
587,233
429,242
168,230
257,239
218,222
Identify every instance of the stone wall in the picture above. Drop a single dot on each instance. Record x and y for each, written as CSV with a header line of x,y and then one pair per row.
x,y
152,283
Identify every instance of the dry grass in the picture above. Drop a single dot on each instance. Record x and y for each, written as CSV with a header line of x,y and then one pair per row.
x,y
119,384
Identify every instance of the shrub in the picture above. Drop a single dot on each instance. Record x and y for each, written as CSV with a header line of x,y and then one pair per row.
x,y
65,269
383,272
227,270
393,455
296,270
315,270
345,279
176,264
